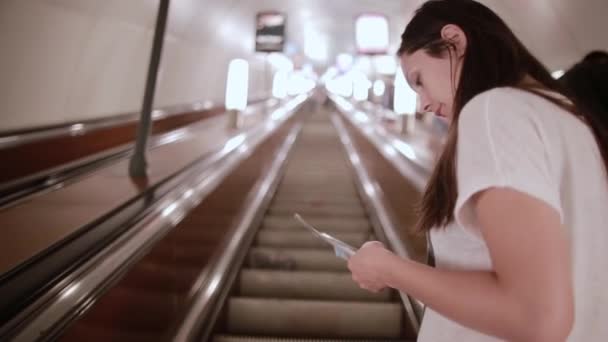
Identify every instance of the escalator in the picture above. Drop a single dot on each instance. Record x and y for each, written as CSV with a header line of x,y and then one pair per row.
x,y
291,286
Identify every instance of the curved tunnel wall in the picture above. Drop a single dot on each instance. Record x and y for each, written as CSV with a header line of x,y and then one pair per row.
x,y
69,60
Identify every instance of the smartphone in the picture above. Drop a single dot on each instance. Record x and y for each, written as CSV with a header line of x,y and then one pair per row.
x,y
341,248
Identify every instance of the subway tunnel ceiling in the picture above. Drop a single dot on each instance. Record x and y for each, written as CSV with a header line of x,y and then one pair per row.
x,y
88,59
557,31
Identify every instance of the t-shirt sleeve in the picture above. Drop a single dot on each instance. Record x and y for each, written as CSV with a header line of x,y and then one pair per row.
x,y
501,145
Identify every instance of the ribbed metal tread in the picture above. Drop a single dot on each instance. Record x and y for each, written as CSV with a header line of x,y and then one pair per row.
x,y
318,210
304,239
233,338
295,259
316,285
322,223
314,318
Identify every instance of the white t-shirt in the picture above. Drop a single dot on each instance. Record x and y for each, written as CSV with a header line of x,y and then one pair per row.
x,y
512,138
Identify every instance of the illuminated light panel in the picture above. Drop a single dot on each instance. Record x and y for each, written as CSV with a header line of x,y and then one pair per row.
x,y
237,84
558,73
379,88
372,34
405,99
279,85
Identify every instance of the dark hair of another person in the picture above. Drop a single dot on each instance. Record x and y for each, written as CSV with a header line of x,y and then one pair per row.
x,y
596,56
587,82
494,57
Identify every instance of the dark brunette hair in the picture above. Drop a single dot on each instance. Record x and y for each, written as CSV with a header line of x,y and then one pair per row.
x,y
494,57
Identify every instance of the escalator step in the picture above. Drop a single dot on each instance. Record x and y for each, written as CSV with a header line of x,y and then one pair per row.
x,y
291,194
326,188
314,318
318,210
323,224
232,338
304,239
317,198
305,285
294,259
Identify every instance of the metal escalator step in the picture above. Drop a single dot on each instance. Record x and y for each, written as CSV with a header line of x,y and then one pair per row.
x,y
314,197
327,319
233,338
305,285
343,224
349,205
304,239
325,190
322,187
323,173
353,203
294,259
324,177
319,210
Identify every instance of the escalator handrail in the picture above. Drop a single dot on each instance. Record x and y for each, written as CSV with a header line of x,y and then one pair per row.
x,y
66,300
410,168
226,265
13,191
414,170
381,216
19,137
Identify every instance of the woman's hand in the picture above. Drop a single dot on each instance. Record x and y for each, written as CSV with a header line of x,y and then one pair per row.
x,y
368,266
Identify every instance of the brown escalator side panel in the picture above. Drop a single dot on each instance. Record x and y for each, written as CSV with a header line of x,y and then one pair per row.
x,y
30,158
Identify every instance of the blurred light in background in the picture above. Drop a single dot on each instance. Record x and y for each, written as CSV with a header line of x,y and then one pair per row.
x,y
361,117
298,84
557,74
341,85
237,84
344,62
379,88
280,62
315,45
309,72
363,64
329,74
385,64
405,98
361,85
279,84
371,34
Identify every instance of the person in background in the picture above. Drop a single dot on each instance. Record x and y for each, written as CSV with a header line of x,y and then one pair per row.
x,y
517,206
587,81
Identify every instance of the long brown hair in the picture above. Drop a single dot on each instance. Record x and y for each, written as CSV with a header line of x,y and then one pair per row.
x,y
494,58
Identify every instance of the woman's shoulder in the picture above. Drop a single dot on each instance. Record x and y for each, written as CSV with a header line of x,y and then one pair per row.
x,y
478,110
506,104
499,97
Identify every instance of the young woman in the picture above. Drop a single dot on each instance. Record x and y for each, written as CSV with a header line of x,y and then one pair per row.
x,y
517,206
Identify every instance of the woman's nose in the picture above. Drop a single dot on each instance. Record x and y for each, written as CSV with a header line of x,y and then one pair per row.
x,y
425,104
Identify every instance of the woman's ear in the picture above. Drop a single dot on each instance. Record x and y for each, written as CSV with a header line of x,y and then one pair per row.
x,y
454,34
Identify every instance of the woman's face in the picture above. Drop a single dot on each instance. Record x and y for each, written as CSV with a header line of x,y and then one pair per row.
x,y
435,78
